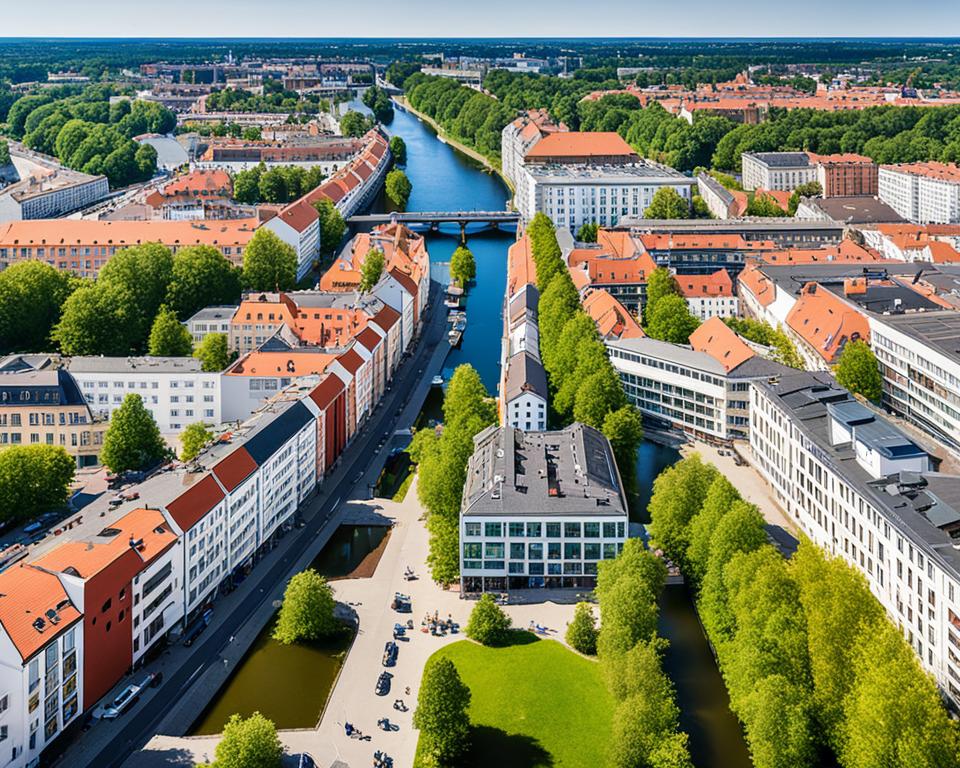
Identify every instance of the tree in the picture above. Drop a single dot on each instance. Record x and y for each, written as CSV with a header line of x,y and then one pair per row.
x,y
719,499
308,610
269,264
168,337
31,296
372,269
488,624
809,189
132,441
248,743
94,321
671,320
201,277
667,204
213,352
441,713
398,188
332,225
355,124
192,440
4,152
858,371
398,149
763,204
678,494
557,304
661,283
141,275
463,268
33,480
644,735
587,232
582,631
628,615
599,395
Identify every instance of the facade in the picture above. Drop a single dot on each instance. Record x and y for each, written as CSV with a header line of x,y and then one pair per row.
x,y
211,320
846,175
50,196
298,225
865,492
723,203
174,389
540,509
780,171
525,393
709,295
42,405
520,136
924,193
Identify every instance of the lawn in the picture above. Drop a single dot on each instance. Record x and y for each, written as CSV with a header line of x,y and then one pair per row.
x,y
534,704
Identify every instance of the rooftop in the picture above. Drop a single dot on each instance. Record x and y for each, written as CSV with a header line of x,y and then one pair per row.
x,y
580,144
144,365
525,373
856,210
938,330
781,159
34,608
588,173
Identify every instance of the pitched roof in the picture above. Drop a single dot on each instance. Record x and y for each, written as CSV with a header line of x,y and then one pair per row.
x,y
191,505
351,360
299,215
369,338
326,391
37,232
525,373
520,267
613,320
701,286
235,468
282,362
27,596
719,341
825,322
580,144
387,317
268,439
753,279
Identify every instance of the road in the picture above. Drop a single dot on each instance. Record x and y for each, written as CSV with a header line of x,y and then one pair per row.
x,y
142,720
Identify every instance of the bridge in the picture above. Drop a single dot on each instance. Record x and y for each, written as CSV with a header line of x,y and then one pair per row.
x,y
434,219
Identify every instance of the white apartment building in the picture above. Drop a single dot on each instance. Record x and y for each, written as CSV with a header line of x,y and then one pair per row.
x,y
709,295
41,683
523,380
174,389
215,319
51,194
298,225
924,193
777,171
539,509
863,491
520,136
158,593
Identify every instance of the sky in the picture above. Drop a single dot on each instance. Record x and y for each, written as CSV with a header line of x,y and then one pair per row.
x,y
486,18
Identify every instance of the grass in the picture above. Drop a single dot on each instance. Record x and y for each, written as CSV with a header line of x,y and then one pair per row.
x,y
534,704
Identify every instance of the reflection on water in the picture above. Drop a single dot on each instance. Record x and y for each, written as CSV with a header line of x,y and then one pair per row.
x,y
652,459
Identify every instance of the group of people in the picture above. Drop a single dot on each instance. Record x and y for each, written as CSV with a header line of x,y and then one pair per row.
x,y
437,626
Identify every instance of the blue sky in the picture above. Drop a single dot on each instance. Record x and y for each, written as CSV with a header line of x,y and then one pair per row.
x,y
486,18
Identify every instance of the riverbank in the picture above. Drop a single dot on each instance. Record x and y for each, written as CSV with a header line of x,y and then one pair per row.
x,y
457,145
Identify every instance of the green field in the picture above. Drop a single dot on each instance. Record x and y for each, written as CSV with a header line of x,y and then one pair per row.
x,y
534,704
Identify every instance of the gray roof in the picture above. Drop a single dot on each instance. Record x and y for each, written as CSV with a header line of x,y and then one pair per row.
x,y
568,472
938,330
96,364
525,300
39,388
792,277
856,210
810,398
525,373
781,159
680,354
218,312
716,187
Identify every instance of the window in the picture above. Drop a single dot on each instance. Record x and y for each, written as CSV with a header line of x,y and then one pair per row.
x,y
493,549
571,530
515,529
571,551
553,550
553,530
492,529
591,530
591,551
4,702
535,551
534,530
472,551
517,551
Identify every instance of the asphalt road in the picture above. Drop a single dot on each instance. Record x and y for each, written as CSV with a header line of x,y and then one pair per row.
x,y
142,720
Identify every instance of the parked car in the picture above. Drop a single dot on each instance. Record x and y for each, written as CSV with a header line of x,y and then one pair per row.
x,y
125,699
33,527
401,603
383,683
390,651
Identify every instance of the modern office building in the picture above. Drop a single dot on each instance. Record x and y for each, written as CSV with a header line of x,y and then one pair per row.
x,y
540,509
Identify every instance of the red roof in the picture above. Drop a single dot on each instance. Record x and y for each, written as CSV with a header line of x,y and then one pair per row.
x,y
716,339
299,215
369,338
326,391
405,280
26,594
580,144
191,505
351,360
700,286
387,317
235,468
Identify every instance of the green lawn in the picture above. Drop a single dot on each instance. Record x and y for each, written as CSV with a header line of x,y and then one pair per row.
x,y
534,704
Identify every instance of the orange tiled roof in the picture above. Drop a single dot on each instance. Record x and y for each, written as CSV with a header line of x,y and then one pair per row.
x,y
580,144
284,363
825,322
89,232
943,253
677,242
27,594
521,270
846,251
753,279
195,502
699,286
613,320
620,271
932,170
719,341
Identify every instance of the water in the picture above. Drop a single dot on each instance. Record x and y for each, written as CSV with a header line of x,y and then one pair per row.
x,y
652,459
290,683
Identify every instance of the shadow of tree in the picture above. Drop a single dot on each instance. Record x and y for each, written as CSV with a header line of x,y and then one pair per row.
x,y
519,637
172,757
492,746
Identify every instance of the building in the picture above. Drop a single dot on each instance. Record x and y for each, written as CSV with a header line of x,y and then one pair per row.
x,y
43,405
846,175
614,321
822,324
520,136
847,210
709,295
51,194
924,193
539,509
782,232
176,390
525,393
783,171
864,491
701,389
41,658
723,203
209,320
200,194
298,225
330,153
83,246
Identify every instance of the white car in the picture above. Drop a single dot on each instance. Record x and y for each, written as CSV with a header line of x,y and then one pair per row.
x,y
125,699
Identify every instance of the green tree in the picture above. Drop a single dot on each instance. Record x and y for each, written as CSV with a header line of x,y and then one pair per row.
x,y
33,480
372,269
269,264
443,556
441,713
762,204
557,305
308,610
624,429
168,337
628,615
678,494
809,189
858,371
587,232
31,296
398,149
719,499
94,321
599,395
246,184
213,352
660,283
201,277
398,188
4,152
466,398
582,631
332,225
463,268
667,204
132,441
644,735
248,743
355,124
192,439
488,624
141,275
671,320
545,250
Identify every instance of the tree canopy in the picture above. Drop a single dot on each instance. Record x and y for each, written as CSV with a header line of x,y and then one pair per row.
x,y
667,204
192,439
671,320
32,294
398,148
488,624
132,441
308,609
269,264
168,337
213,352
248,743
33,480
332,225
372,269
463,268
441,713
201,277
398,188
858,371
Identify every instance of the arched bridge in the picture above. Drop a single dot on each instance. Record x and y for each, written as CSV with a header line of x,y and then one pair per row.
x,y
435,218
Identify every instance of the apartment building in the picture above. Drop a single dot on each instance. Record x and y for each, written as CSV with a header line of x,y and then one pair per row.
x,y
846,175
614,321
821,324
43,405
701,389
782,171
200,194
520,136
215,319
298,225
723,203
924,193
176,390
709,295
864,491
51,194
539,509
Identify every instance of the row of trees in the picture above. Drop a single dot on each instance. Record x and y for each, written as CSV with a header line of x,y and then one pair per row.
x,y
282,184
442,461
273,99
583,384
810,660
646,721
666,313
378,102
